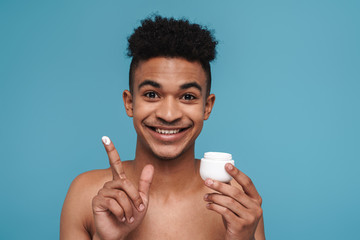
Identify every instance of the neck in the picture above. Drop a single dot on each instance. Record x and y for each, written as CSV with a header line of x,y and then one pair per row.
x,y
172,176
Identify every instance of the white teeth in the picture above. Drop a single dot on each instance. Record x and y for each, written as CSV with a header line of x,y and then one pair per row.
x,y
163,131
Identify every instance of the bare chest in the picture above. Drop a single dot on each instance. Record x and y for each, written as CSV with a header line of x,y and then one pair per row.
x,y
181,219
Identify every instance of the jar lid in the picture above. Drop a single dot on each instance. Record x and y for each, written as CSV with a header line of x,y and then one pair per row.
x,y
218,156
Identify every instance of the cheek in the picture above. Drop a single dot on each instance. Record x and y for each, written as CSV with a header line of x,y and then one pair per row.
x,y
141,108
139,113
196,112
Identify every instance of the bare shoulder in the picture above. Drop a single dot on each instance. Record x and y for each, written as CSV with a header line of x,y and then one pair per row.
x,y
87,184
91,179
76,215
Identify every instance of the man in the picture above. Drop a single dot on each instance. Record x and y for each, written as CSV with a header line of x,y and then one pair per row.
x,y
160,195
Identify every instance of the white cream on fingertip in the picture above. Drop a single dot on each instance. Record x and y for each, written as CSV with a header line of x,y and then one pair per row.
x,y
106,140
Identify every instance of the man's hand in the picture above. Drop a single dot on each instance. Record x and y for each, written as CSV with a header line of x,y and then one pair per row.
x,y
119,207
240,208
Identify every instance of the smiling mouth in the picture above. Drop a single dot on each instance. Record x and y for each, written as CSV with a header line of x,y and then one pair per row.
x,y
167,131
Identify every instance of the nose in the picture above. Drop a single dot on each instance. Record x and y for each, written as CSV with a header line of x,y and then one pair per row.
x,y
169,110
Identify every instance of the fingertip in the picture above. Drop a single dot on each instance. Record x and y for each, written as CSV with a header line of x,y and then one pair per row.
x,y
149,170
229,166
206,196
106,140
231,169
209,182
141,207
150,167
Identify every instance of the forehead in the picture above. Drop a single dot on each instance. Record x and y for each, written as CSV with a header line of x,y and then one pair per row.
x,y
169,71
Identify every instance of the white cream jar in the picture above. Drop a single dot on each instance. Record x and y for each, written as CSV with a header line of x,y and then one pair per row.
x,y
213,166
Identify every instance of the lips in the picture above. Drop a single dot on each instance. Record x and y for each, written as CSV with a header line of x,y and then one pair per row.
x,y
166,131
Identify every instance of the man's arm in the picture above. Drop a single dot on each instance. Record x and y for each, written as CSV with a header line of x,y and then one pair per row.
x,y
73,214
260,231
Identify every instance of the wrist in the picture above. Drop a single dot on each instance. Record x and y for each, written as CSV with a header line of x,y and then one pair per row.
x,y
97,237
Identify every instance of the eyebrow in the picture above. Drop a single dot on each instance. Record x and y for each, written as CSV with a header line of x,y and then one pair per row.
x,y
149,82
190,85
157,85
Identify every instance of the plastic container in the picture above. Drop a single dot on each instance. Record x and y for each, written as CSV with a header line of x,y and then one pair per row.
x,y
213,166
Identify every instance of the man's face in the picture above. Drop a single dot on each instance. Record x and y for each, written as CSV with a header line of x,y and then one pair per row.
x,y
168,105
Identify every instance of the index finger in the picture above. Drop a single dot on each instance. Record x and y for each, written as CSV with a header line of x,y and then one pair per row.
x,y
245,182
114,159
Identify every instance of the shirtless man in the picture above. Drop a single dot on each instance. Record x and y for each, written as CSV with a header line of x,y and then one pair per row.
x,y
160,195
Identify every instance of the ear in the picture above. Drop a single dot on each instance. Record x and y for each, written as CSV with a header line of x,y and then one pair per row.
x,y
210,100
128,103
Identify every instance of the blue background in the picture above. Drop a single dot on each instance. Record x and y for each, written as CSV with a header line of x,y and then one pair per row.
x,y
287,81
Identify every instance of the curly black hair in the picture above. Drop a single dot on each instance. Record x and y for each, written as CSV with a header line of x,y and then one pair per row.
x,y
168,37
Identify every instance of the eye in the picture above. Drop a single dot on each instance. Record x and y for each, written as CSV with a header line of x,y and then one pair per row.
x,y
188,97
151,95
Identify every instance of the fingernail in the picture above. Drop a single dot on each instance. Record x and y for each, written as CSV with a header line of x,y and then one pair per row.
x,y
131,220
209,182
141,207
106,140
123,219
230,166
206,196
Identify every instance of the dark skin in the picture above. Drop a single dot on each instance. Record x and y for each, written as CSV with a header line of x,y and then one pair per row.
x,y
160,195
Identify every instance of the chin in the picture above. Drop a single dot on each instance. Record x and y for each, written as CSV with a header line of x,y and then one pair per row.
x,y
168,154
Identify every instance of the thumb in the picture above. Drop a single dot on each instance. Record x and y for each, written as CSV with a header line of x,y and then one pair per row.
x,y
145,182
